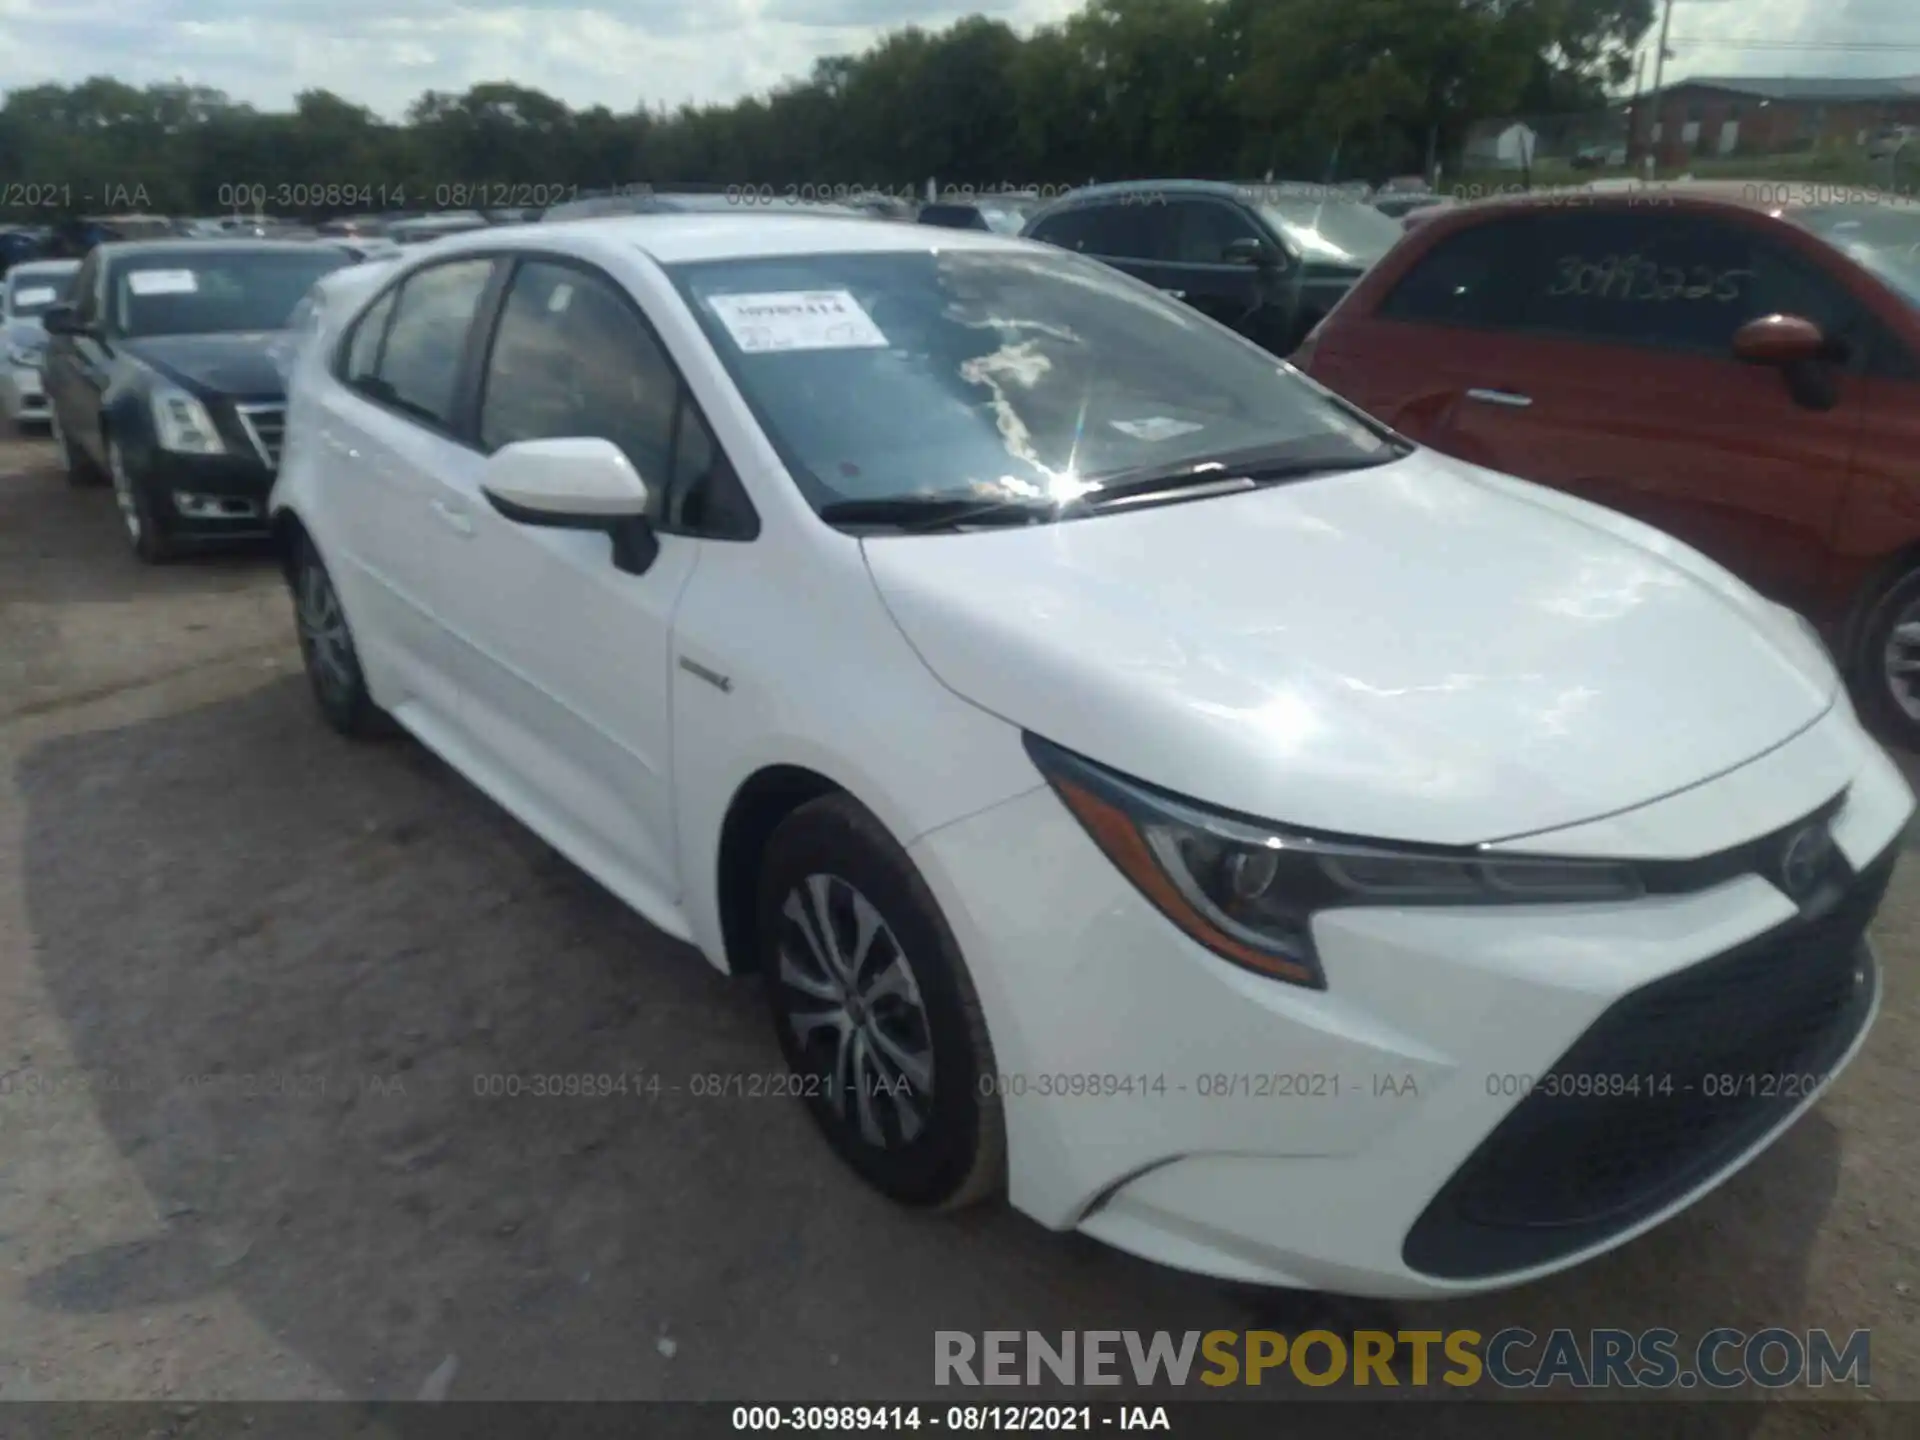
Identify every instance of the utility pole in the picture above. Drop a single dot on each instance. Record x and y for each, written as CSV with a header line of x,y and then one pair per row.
x,y
1660,55
1659,96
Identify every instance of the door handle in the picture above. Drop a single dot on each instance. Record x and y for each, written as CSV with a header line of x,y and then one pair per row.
x,y
1508,398
1176,294
454,518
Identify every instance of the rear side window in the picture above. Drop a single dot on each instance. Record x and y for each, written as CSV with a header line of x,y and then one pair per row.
x,y
363,350
1472,277
419,365
953,217
1130,230
1067,229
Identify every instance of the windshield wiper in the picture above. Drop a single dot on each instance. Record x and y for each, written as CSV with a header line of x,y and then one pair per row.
x,y
935,512
1241,470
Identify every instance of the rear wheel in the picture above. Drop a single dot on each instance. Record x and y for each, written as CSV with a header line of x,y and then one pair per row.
x,y
875,1010
328,652
1887,664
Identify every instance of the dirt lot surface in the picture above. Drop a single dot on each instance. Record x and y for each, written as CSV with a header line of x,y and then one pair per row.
x,y
255,972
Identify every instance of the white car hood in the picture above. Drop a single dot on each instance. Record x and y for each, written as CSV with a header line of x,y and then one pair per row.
x,y
1426,651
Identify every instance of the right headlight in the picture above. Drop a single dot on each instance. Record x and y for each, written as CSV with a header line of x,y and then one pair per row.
x,y
24,358
1248,890
181,423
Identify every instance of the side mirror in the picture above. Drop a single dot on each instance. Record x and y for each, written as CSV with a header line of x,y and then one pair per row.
x,y
1780,340
1251,250
576,483
61,320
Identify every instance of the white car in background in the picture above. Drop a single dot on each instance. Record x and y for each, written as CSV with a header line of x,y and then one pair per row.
x,y
1141,781
27,292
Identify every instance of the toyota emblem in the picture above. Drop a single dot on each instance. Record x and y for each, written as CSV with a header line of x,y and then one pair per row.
x,y
1803,860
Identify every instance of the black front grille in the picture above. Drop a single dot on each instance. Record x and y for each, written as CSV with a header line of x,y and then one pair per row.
x,y
1716,1054
264,424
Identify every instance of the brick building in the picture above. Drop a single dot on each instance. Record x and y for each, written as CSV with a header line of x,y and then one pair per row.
x,y
1738,115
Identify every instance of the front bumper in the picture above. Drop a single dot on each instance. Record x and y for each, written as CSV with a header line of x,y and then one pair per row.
x,y
205,495
1377,1138
22,397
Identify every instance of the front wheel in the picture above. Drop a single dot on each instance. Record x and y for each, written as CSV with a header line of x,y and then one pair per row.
x,y
145,532
74,463
1887,664
875,1011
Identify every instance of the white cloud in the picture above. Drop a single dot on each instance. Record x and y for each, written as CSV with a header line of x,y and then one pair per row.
x,y
1791,37
620,53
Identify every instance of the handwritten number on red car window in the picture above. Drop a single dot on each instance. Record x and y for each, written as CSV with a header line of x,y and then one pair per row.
x,y
1631,277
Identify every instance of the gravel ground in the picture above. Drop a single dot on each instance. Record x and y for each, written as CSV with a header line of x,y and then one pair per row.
x,y
198,880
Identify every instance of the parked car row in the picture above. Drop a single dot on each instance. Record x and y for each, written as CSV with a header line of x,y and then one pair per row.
x,y
1065,708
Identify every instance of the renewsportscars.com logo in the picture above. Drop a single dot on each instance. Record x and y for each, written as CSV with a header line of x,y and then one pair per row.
x,y
1514,1358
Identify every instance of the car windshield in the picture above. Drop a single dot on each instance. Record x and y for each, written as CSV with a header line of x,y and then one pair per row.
x,y
997,375
1883,238
202,292
31,292
1346,232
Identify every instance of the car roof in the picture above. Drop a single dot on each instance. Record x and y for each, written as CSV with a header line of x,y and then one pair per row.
x,y
142,249
674,239
1764,196
44,267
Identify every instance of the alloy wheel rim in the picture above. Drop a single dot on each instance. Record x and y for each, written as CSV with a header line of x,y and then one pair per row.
x,y
123,491
1901,661
854,1004
323,633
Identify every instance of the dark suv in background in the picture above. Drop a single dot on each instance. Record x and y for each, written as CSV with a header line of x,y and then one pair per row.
x,y
1268,259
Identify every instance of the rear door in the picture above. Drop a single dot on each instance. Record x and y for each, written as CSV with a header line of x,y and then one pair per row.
x,y
394,426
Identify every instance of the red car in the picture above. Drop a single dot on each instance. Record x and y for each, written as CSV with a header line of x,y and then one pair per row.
x,y
1738,365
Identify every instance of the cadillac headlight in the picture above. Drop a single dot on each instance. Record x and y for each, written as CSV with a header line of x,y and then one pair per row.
x,y
181,424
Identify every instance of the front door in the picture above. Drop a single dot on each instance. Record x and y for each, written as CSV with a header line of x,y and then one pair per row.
x,y
565,659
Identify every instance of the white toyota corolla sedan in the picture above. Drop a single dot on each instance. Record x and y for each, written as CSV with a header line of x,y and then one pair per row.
x,y
1143,783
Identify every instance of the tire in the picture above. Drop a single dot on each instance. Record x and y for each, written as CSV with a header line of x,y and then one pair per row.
x,y
80,470
152,544
327,650
1877,681
941,1142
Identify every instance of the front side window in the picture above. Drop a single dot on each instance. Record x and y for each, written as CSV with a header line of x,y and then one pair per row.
x,y
202,292
1201,230
419,365
1001,375
571,358
1677,281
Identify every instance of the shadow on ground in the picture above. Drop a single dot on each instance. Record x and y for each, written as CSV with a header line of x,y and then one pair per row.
x,y
234,892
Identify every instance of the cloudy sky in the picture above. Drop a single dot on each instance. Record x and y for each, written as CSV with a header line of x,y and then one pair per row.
x,y
383,53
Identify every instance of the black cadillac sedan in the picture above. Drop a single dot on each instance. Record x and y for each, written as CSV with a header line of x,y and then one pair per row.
x,y
160,378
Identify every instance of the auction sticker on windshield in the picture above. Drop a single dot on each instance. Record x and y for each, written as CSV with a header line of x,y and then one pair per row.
x,y
162,282
38,295
1156,427
797,320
